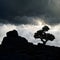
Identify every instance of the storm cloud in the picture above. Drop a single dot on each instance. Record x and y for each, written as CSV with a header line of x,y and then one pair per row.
x,y
28,16
24,11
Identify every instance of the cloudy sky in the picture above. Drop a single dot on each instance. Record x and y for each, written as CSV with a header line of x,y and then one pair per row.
x,y
28,16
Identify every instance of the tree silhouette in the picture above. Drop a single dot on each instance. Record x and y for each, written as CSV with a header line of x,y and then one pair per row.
x,y
44,36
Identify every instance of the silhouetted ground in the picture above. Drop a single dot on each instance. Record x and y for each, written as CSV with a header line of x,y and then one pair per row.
x,y
40,52
15,47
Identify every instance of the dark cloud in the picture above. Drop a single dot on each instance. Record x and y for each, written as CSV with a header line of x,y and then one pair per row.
x,y
51,20
19,20
10,9
22,7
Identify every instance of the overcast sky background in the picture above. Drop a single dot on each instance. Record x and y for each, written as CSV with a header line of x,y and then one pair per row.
x,y
28,16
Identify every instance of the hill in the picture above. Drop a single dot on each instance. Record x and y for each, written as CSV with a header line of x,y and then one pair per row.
x,y
15,47
40,52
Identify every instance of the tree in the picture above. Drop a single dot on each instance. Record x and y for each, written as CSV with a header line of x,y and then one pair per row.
x,y
44,36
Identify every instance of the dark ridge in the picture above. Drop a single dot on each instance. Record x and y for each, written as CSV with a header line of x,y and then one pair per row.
x,y
15,47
